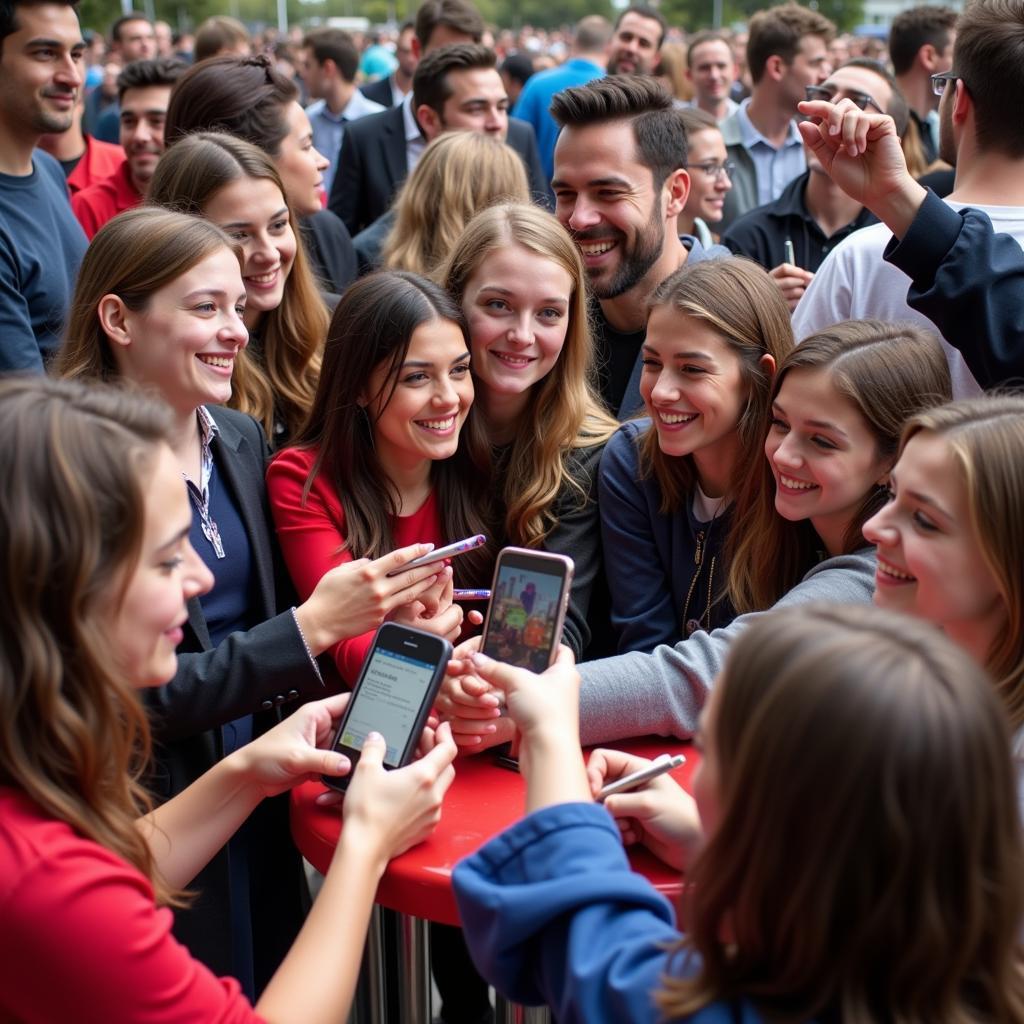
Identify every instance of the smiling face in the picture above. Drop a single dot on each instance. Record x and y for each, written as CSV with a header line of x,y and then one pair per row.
x,y
634,47
607,201
707,189
517,304
418,414
253,212
41,69
822,455
478,103
300,165
694,389
712,71
143,113
184,341
146,619
930,563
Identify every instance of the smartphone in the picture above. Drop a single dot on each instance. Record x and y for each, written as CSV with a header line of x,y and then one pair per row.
x,y
460,547
529,596
393,696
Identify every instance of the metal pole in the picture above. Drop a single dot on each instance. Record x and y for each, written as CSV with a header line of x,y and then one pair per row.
x,y
282,18
511,1013
716,13
414,974
369,1005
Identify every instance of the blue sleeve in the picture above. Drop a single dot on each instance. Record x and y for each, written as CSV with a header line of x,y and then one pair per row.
x,y
19,349
969,281
553,914
643,611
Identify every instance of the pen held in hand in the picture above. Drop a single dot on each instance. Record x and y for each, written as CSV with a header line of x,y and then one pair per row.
x,y
439,554
659,766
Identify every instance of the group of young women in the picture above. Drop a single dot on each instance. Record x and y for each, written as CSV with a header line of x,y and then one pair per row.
x,y
147,546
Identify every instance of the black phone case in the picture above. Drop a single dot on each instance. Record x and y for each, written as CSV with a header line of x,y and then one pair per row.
x,y
340,783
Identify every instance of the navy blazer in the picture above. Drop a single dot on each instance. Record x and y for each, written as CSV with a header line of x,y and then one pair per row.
x,y
379,91
255,672
372,166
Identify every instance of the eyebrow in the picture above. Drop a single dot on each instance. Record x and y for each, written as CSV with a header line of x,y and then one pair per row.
x,y
214,293
508,291
419,364
245,223
177,538
924,499
55,44
683,355
819,424
558,183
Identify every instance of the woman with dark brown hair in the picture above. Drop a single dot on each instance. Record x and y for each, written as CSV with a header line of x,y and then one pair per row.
x,y
98,570
853,853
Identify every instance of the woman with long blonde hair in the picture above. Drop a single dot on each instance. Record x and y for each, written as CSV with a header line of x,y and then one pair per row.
x,y
852,848
521,283
459,174
235,185
950,544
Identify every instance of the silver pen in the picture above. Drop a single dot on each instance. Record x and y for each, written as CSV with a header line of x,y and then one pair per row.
x,y
790,252
659,766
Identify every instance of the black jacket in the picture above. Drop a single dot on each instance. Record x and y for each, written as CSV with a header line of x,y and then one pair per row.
x,y
372,166
379,92
255,672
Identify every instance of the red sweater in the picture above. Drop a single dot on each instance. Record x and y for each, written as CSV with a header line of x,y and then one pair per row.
x,y
103,200
82,940
311,533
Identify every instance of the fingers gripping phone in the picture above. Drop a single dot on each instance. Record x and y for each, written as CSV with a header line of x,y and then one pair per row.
x,y
393,696
529,598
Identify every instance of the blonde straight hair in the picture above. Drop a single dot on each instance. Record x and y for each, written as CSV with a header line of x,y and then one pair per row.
x,y
563,414
986,440
459,174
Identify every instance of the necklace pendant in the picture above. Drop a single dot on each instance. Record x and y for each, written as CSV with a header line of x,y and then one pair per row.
x,y
692,625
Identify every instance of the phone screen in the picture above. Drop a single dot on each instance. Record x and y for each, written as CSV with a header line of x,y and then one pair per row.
x,y
388,700
525,608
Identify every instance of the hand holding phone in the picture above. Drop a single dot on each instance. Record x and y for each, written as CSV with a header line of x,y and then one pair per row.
x,y
393,696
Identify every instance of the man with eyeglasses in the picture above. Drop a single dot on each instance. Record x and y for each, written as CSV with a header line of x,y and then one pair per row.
x,y
982,133
791,236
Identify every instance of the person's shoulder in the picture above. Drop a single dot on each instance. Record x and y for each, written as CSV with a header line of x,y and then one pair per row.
x,y
233,425
363,129
49,169
623,448
292,459
698,252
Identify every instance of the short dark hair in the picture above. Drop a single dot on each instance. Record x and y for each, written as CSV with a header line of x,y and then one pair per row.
x,y
657,130
458,15
777,32
989,57
243,96
705,37
141,74
9,16
898,110
217,33
115,29
430,80
518,67
645,12
696,120
917,27
337,45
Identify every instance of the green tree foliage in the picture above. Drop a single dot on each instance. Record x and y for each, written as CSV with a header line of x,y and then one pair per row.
x,y
692,15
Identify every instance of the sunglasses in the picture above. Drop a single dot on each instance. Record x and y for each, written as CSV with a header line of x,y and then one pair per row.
x,y
859,99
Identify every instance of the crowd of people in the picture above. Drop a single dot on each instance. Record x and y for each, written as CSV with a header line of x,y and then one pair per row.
x,y
731,319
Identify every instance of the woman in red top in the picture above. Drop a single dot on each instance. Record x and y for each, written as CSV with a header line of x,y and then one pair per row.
x,y
95,552
390,450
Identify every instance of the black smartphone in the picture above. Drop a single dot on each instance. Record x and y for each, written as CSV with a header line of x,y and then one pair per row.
x,y
393,696
529,597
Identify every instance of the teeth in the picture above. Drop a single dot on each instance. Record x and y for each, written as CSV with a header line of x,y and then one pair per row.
x,y
445,424
676,417
512,360
222,361
796,485
263,278
891,570
596,248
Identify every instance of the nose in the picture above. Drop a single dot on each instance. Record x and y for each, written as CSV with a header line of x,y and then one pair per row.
x,y
263,248
446,395
879,529
71,72
788,452
723,182
665,390
234,331
320,160
497,121
582,215
521,332
196,578
142,132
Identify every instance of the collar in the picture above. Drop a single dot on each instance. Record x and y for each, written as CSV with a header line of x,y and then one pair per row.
x,y
750,136
413,132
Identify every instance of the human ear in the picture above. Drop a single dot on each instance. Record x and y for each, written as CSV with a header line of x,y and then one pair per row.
x,y
961,102
677,188
767,364
113,317
775,67
429,121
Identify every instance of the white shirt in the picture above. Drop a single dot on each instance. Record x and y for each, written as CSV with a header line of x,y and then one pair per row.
x,y
329,128
855,283
415,143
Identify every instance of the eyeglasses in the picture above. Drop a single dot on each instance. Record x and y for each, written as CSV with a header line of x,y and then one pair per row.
x,y
939,81
715,170
858,99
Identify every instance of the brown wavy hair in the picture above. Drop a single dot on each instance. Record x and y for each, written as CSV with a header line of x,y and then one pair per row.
x,y
867,865
986,439
739,301
132,256
275,379
372,327
887,372
73,734
563,415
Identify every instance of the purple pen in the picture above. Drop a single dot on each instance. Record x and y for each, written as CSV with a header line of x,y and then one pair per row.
x,y
439,554
472,595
